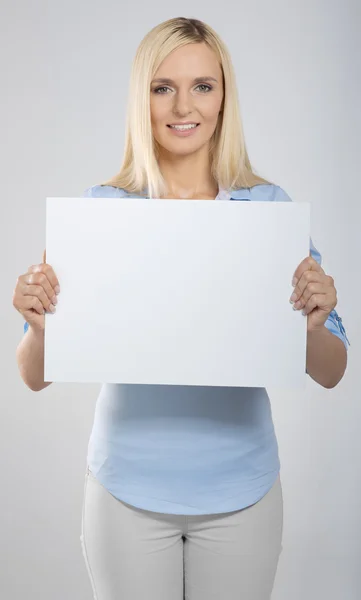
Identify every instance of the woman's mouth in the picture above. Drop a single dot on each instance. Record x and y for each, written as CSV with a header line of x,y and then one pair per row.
x,y
184,130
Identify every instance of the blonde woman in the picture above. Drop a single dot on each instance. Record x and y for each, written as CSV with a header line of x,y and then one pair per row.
x,y
183,496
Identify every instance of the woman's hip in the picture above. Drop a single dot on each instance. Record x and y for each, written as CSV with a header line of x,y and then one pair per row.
x,y
133,553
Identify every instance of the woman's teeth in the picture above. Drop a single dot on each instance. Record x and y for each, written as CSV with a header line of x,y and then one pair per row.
x,y
183,127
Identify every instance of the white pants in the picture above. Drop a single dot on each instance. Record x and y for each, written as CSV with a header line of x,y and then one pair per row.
x,y
135,554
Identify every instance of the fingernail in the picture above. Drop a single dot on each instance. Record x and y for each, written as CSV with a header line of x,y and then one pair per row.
x,y
54,300
293,297
294,281
52,308
57,289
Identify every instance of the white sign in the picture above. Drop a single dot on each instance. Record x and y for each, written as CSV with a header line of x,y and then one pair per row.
x,y
176,292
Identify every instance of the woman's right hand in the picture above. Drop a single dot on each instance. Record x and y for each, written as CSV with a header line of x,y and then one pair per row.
x,y
35,293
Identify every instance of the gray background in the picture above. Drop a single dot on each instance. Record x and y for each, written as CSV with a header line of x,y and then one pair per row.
x,y
65,69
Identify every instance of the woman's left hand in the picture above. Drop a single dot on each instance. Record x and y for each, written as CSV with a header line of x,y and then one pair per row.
x,y
314,292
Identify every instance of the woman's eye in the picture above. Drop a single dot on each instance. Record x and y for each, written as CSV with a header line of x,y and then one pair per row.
x,y
208,87
160,88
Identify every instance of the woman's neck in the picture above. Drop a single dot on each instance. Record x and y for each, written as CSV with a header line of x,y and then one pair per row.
x,y
188,177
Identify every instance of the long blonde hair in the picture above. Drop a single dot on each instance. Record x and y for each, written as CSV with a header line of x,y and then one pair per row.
x,y
230,165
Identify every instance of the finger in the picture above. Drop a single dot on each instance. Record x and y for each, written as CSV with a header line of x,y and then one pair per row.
x,y
308,264
307,278
322,301
39,292
31,302
39,275
48,271
315,287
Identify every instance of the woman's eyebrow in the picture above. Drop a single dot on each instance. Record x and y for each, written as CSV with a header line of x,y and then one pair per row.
x,y
196,80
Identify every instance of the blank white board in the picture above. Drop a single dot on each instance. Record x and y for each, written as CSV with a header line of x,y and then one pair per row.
x,y
176,292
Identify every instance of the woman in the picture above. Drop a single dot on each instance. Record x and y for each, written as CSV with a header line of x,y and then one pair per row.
x,y
182,494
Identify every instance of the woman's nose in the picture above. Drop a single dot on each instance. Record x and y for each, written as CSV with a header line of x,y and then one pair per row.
x,y
183,103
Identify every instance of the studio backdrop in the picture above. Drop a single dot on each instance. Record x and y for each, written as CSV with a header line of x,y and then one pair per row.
x,y
65,72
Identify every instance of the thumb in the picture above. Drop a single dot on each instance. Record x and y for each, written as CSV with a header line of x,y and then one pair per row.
x,y
44,256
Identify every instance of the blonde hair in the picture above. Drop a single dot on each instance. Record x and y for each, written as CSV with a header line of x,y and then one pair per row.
x,y
230,165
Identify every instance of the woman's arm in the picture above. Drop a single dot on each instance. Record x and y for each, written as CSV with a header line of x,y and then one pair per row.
x,y
326,357
30,359
315,294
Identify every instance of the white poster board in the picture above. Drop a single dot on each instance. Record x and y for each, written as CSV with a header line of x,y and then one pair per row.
x,y
176,292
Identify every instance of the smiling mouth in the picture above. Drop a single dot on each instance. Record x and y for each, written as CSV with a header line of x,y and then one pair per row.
x,y
183,127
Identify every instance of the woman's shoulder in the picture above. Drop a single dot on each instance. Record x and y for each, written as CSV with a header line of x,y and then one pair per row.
x,y
105,191
263,192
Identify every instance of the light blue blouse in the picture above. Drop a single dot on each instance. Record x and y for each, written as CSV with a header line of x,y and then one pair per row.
x,y
188,449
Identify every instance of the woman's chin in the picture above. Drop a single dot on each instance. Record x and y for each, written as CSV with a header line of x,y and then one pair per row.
x,y
184,148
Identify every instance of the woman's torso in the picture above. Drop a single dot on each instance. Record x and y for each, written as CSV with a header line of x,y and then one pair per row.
x,y
185,449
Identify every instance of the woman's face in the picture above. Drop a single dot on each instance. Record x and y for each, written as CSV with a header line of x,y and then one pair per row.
x,y
187,88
